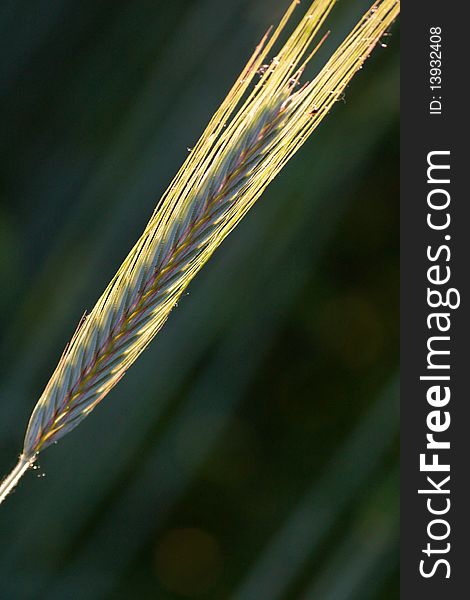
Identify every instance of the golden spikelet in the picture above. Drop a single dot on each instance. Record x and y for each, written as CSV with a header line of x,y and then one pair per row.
x,y
253,134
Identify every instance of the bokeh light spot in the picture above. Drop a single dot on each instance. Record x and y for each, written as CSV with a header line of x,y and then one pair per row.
x,y
188,561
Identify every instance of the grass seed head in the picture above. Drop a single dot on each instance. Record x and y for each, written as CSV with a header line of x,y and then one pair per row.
x,y
265,118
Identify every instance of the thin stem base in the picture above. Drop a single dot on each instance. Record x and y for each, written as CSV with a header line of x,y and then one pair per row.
x,y
11,480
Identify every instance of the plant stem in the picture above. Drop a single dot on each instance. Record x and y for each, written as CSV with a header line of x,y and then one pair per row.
x,y
11,480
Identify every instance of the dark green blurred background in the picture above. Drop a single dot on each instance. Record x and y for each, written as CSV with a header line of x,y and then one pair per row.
x,y
251,453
